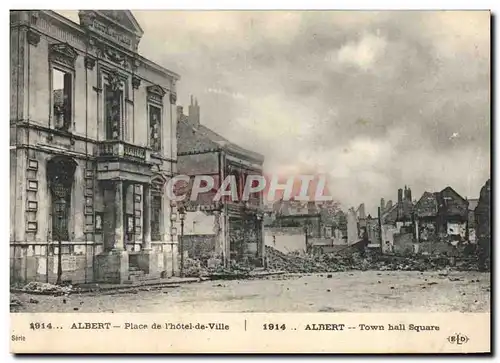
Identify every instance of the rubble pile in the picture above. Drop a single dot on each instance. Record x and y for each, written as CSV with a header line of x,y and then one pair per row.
x,y
235,271
46,288
292,263
15,304
195,268
355,261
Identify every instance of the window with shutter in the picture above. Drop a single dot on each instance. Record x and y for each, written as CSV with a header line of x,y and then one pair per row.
x,y
114,112
155,127
155,217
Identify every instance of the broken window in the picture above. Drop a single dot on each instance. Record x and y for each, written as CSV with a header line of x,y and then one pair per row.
x,y
113,93
155,127
62,86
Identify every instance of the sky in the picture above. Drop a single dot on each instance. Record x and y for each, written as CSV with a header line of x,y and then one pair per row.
x,y
374,100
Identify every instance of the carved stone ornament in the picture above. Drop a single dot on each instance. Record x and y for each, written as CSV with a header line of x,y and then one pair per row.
x,y
136,82
86,17
63,53
114,80
136,63
115,56
34,16
173,98
89,62
33,37
111,54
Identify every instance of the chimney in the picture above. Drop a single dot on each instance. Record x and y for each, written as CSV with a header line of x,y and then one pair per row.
x,y
400,195
180,113
382,205
194,112
362,211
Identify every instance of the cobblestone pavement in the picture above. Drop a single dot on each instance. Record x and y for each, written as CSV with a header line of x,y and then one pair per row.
x,y
355,291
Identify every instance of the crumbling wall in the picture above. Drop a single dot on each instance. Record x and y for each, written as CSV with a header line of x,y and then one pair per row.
x,y
200,247
435,247
388,232
403,243
286,239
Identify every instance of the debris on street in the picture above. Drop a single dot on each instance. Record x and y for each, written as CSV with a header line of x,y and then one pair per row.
x,y
330,262
15,303
46,288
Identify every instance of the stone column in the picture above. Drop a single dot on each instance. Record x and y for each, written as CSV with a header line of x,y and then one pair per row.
x,y
119,232
417,236
147,217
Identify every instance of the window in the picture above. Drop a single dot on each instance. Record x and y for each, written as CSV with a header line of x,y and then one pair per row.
x,y
62,100
130,227
114,108
114,111
155,127
155,217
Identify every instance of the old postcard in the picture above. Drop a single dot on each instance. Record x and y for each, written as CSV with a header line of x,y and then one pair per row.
x,y
253,181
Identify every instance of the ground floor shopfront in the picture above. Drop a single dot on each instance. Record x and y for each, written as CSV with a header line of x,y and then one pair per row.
x,y
105,213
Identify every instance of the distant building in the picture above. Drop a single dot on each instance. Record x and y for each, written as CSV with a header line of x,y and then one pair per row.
x,y
397,223
441,215
483,223
471,220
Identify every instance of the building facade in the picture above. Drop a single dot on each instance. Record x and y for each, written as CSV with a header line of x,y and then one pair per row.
x,y
441,215
237,225
92,146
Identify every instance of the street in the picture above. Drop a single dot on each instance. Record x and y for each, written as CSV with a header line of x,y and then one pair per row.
x,y
354,291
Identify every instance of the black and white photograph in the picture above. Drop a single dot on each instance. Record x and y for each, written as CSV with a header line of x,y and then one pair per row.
x,y
250,161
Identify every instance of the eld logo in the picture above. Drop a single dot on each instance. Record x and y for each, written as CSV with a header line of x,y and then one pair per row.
x,y
458,339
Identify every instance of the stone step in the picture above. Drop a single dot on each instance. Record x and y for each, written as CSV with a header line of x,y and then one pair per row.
x,y
136,273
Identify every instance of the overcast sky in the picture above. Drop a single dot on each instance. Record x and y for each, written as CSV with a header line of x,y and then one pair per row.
x,y
375,99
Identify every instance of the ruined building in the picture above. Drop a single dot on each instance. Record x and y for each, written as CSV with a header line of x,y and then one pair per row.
x,y
483,223
441,215
396,221
231,230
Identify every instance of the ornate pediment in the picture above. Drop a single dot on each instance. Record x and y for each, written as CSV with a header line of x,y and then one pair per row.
x,y
125,18
63,53
155,93
158,181
117,26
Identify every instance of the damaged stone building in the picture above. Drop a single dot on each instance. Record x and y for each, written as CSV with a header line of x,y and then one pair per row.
x,y
396,222
92,146
230,230
482,214
441,215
